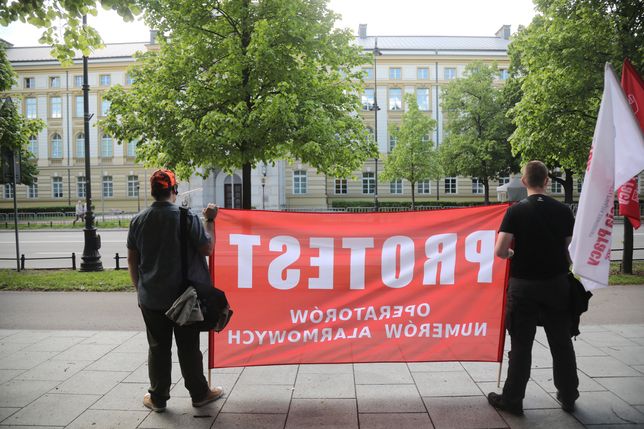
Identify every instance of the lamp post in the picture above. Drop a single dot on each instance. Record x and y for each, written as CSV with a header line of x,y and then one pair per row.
x,y
263,185
376,54
91,257
138,197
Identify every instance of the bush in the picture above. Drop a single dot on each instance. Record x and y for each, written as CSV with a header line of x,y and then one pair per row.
x,y
407,204
62,209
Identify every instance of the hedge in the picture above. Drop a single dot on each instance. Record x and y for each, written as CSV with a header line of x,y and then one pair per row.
x,y
63,209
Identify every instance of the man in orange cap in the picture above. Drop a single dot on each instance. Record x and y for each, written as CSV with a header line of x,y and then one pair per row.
x,y
154,264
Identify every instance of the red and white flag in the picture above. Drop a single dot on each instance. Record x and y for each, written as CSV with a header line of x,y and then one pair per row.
x,y
633,86
616,155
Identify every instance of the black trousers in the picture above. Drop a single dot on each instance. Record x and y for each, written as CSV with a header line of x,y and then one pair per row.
x,y
159,330
528,303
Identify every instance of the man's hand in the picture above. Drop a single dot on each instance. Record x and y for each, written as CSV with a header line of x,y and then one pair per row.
x,y
210,213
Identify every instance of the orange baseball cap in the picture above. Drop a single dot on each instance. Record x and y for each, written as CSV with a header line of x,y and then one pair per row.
x,y
164,179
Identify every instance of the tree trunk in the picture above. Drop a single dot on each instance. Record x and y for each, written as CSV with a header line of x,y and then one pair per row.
x,y
486,187
413,197
567,185
246,186
627,253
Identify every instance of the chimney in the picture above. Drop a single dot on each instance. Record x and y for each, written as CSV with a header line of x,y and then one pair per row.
x,y
153,37
503,32
362,31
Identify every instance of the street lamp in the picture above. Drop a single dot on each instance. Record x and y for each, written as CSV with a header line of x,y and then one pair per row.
x,y
91,257
138,197
376,54
263,184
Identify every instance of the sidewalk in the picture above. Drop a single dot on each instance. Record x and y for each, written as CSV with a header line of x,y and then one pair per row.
x,y
97,379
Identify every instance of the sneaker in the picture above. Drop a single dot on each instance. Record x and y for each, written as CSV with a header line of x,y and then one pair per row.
x,y
148,402
568,405
499,403
212,396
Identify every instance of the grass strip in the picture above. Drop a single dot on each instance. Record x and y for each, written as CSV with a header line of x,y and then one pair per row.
x,y
66,280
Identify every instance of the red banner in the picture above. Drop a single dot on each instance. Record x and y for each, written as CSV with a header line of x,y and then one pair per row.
x,y
377,287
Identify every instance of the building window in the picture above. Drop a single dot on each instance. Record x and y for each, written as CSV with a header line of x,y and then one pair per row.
x,y
108,187
368,182
30,82
8,191
33,146
394,73
477,186
450,185
395,186
395,99
422,98
503,74
368,71
56,107
392,142
57,187
131,149
555,187
129,80
56,146
340,186
132,186
80,145
31,108
78,81
107,148
80,106
299,182
32,190
54,82
450,73
81,185
105,80
422,73
423,187
105,107
503,180
367,99
580,183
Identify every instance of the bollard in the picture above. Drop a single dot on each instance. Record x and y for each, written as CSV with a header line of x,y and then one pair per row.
x,y
117,262
73,261
22,261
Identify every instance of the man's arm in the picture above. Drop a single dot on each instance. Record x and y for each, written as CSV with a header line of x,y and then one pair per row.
x,y
209,215
133,266
502,247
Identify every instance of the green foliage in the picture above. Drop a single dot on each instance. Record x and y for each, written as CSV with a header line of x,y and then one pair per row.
x,y
477,129
66,280
558,62
239,82
62,22
412,158
385,204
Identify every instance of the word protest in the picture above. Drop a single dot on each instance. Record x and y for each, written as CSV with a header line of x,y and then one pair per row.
x,y
376,287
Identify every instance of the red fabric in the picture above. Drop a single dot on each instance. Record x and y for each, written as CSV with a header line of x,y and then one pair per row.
x,y
627,195
442,313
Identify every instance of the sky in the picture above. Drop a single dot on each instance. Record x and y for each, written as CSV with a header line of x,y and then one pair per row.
x,y
383,18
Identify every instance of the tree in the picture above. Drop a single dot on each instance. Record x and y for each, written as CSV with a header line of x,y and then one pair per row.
x,y
477,128
558,61
56,15
15,130
413,158
241,81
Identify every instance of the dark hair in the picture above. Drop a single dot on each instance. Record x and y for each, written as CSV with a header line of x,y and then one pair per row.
x,y
535,173
159,193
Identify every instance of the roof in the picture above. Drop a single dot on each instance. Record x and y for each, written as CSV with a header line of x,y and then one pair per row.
x,y
434,43
42,53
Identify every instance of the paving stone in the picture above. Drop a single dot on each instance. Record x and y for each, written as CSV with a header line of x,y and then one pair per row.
x,y
26,337
630,355
604,366
102,419
463,412
323,386
639,341
543,419
254,398
72,333
7,349
226,381
119,362
25,360
628,331
276,374
544,378
617,426
340,368
85,352
322,413
58,410
484,371
582,348
630,389
382,373
249,421
54,344
445,384
231,370
183,415
639,368
7,332
397,398
605,408
91,382
18,393
395,420
606,339
8,374
59,370
110,337
6,412
593,328
535,396
141,375
434,366
136,344
124,397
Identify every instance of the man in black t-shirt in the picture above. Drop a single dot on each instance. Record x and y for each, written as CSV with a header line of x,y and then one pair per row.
x,y
536,233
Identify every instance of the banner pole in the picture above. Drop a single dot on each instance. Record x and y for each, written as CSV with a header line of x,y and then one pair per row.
x,y
498,378
210,378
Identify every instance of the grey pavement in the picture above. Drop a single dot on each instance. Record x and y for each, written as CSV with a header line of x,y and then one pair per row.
x,y
83,376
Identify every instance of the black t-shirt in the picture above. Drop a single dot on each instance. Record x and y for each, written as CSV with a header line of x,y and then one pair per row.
x,y
540,225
